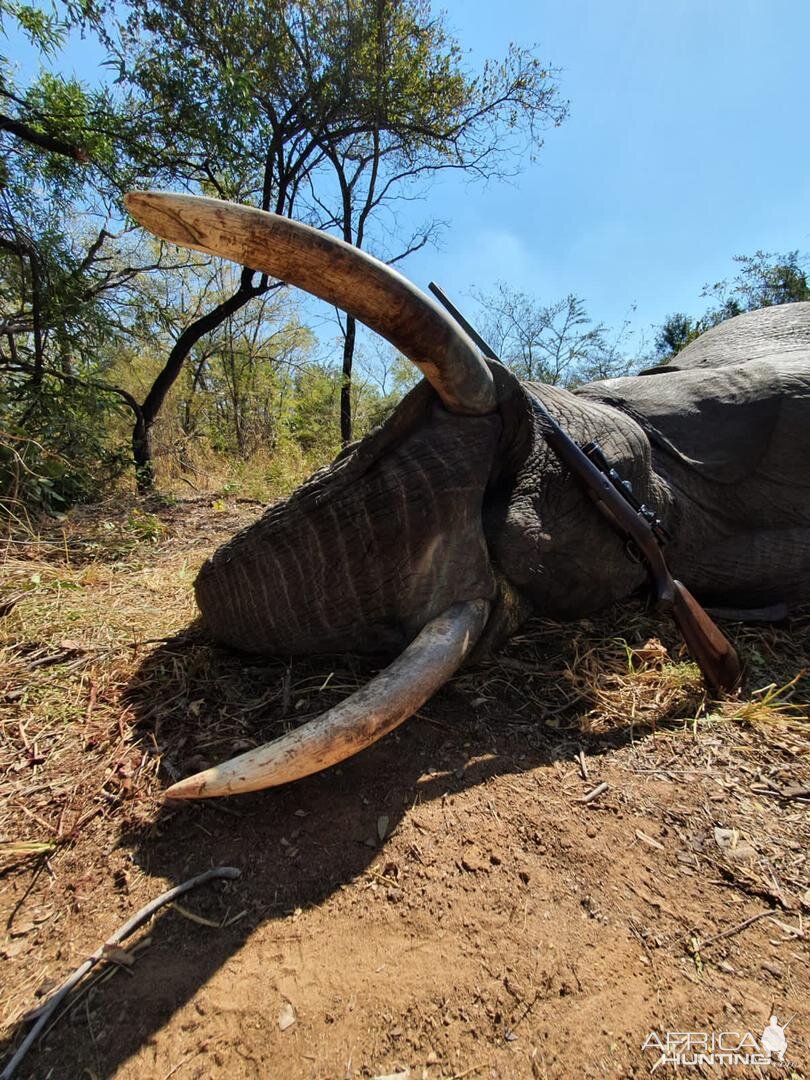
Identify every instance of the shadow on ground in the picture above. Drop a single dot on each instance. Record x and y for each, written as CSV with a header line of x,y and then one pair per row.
x,y
295,846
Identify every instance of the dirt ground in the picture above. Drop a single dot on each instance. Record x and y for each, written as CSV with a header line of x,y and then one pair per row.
x,y
451,903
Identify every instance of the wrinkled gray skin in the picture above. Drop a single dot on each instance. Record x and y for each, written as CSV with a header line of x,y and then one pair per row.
x,y
434,508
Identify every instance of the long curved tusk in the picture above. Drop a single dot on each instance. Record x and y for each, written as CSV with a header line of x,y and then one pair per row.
x,y
336,272
365,716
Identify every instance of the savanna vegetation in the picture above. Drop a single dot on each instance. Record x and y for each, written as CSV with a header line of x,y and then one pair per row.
x,y
122,358
126,362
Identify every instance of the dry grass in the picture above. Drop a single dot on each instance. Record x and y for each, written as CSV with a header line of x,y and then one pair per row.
x,y
83,599
91,685
638,685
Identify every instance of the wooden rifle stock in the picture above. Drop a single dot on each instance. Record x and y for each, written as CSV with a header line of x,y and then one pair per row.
x,y
712,651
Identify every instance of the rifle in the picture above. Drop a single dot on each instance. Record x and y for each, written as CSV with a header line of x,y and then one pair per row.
x,y
642,530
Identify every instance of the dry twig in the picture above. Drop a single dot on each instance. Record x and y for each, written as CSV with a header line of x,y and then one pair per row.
x,y
736,929
600,789
120,935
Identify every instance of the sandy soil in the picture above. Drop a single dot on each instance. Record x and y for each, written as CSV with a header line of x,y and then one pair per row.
x,y
445,905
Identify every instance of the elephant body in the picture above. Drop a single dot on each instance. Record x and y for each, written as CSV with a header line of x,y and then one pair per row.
x,y
732,449
436,508
454,521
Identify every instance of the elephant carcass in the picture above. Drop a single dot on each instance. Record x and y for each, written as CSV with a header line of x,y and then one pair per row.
x,y
454,521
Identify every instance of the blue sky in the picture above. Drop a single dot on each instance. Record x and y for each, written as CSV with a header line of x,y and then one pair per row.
x,y
686,144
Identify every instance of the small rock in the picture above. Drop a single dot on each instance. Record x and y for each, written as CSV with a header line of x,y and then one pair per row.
x,y
725,838
473,861
21,929
13,949
742,852
730,842
287,1017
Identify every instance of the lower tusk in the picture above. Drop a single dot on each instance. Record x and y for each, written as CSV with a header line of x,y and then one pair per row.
x,y
382,704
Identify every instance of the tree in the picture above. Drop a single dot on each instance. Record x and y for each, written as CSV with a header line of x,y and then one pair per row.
x,y
327,111
557,344
764,279
238,377
66,266
675,333
330,111
31,122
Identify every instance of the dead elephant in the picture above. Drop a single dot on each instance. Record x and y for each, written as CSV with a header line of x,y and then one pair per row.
x,y
454,521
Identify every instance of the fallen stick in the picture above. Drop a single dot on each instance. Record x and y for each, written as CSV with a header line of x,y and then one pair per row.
x,y
600,789
103,976
583,768
736,929
140,917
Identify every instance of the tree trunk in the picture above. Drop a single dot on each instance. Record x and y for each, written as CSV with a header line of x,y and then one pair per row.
x,y
153,402
346,383
142,455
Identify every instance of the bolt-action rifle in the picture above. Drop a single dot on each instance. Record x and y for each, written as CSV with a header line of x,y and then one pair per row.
x,y
642,531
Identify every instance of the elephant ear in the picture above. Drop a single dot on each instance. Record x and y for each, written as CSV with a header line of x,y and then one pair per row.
x,y
411,413
730,425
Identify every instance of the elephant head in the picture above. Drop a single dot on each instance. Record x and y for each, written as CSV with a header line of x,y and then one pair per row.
x,y
431,534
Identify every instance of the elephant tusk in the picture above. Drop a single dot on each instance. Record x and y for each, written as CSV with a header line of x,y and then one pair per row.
x,y
365,716
335,271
